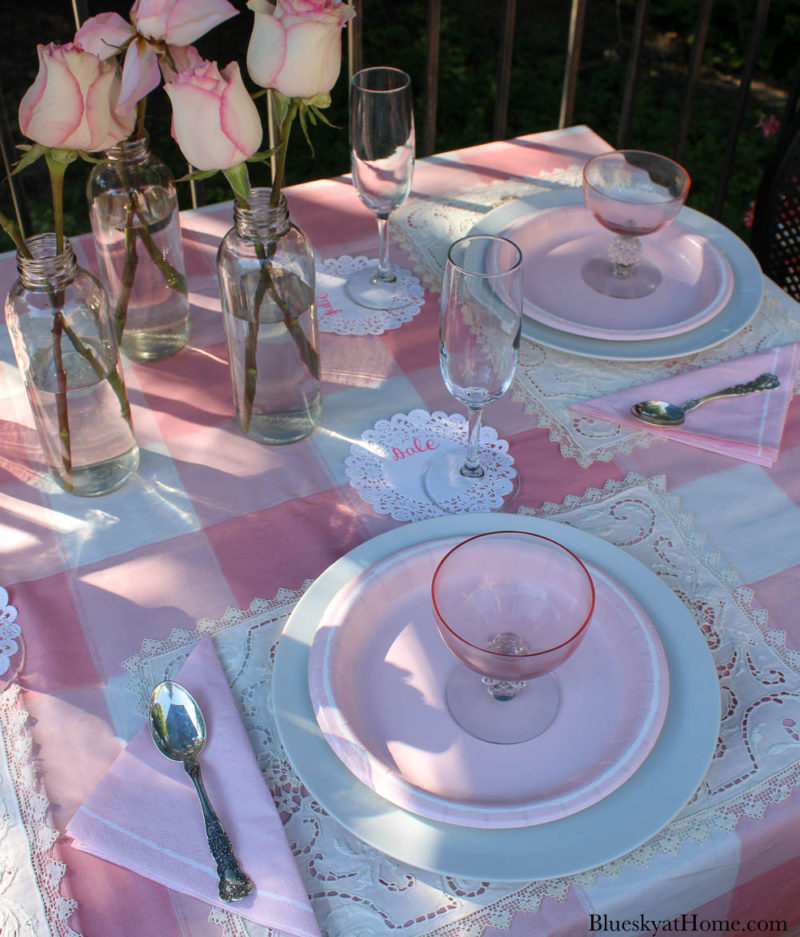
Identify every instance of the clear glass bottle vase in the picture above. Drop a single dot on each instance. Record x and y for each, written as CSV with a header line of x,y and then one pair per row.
x,y
265,267
61,331
133,208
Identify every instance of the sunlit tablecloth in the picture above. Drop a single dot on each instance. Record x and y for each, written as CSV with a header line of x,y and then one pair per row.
x,y
218,534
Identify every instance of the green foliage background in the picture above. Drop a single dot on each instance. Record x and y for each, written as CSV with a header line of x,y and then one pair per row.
x,y
394,33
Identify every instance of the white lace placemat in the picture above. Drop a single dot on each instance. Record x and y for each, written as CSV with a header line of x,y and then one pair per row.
x,y
31,902
387,463
11,648
337,313
358,892
549,381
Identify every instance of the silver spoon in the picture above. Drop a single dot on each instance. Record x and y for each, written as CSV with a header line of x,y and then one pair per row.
x,y
179,731
661,413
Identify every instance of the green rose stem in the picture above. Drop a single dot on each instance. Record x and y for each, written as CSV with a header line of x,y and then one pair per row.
x,y
174,280
128,272
61,400
238,178
57,162
57,167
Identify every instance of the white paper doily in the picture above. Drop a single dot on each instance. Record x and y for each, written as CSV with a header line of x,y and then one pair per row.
x,y
386,465
337,313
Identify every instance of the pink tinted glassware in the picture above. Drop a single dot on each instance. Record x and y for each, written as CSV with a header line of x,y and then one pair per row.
x,y
632,193
511,606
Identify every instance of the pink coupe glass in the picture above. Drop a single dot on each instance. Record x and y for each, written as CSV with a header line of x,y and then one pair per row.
x,y
511,606
632,193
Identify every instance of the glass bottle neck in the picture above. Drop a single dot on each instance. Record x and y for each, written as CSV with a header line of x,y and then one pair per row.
x,y
130,151
46,269
261,220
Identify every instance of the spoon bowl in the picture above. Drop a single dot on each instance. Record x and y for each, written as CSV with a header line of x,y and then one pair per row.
x,y
179,731
659,412
177,723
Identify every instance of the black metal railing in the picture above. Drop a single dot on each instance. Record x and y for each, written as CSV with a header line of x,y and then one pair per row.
x,y
573,84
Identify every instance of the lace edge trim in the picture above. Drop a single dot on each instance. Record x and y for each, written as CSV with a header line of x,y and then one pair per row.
x,y
696,827
34,808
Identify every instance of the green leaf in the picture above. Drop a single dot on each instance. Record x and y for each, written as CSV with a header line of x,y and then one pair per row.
x,y
280,106
88,158
12,230
304,127
320,116
263,155
240,182
197,175
33,153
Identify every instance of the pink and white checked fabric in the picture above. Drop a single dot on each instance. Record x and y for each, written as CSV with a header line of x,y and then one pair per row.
x,y
214,521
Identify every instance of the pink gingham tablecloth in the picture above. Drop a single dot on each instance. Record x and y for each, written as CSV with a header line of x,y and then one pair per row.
x,y
215,522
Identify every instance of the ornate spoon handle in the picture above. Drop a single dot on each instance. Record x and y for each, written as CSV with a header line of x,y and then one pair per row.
x,y
762,382
233,883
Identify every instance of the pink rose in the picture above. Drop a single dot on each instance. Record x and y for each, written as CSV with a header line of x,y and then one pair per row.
x,y
179,22
180,59
174,23
295,46
214,119
105,35
72,104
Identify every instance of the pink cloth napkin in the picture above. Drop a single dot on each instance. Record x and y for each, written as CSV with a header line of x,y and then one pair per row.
x,y
748,428
145,814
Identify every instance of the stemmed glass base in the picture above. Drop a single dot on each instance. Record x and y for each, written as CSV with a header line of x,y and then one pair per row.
x,y
622,273
602,275
503,713
445,483
368,288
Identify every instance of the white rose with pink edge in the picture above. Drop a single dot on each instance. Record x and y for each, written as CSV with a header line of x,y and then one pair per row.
x,y
295,46
214,120
72,103
156,28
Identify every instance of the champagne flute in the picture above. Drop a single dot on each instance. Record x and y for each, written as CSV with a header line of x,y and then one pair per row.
x,y
382,160
480,320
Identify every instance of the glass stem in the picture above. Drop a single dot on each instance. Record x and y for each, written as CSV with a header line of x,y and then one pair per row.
x,y
624,253
385,271
472,467
503,690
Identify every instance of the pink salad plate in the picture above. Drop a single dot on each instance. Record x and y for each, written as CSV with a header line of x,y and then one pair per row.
x,y
688,313
697,277
377,670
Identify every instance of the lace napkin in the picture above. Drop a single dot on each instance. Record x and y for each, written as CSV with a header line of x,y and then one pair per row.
x,y
337,313
145,814
387,464
748,428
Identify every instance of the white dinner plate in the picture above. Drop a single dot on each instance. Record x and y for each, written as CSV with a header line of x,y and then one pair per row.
x,y
377,675
613,826
743,303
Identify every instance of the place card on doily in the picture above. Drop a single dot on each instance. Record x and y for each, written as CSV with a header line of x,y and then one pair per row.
x,y
337,313
386,465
